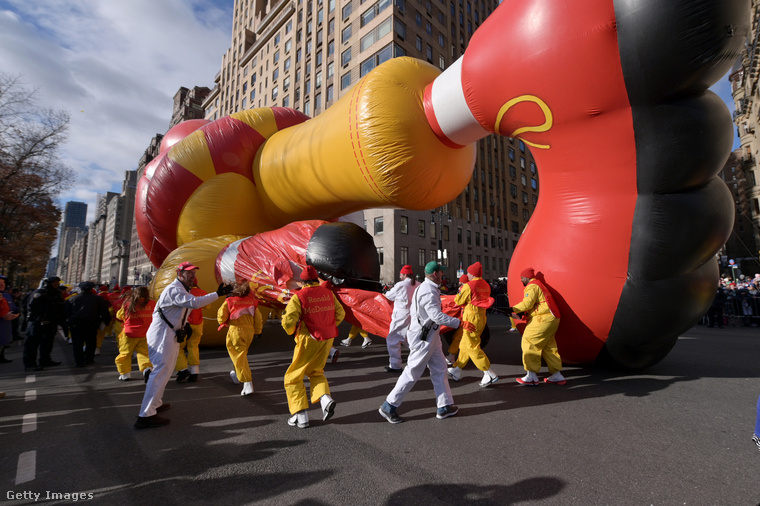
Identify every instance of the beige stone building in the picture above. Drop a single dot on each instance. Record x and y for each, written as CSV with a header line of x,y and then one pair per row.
x,y
306,54
746,94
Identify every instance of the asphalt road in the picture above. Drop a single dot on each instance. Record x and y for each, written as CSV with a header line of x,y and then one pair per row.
x,y
677,433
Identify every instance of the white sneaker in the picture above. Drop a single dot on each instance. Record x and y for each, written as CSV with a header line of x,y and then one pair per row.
x,y
346,342
124,377
300,419
528,379
334,354
489,378
234,378
455,373
556,379
247,388
367,343
450,359
97,351
328,407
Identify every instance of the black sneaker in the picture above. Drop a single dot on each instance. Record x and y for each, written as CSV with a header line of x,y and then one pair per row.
x,y
149,422
192,378
389,413
756,440
146,374
446,411
163,407
392,370
183,375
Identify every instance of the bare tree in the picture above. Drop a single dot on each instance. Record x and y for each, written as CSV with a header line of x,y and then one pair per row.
x,y
31,175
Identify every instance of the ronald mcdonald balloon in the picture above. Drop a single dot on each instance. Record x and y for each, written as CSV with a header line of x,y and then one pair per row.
x,y
612,97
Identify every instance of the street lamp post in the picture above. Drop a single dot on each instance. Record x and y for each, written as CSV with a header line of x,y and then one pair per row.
x,y
442,253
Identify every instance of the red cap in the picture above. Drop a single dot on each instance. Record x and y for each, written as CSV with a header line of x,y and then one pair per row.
x,y
463,278
103,288
186,266
407,269
309,273
116,288
475,269
528,273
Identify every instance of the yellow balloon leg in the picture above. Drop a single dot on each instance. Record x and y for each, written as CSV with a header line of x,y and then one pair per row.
x,y
372,148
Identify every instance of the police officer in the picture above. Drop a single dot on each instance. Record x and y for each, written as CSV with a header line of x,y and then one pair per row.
x,y
46,312
85,313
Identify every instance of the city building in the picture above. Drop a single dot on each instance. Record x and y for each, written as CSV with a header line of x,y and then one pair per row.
x,y
96,240
140,271
188,104
741,246
73,225
306,54
746,95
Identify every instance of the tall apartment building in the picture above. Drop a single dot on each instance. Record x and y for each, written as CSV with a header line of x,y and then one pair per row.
x,y
741,246
72,225
97,238
306,54
140,271
746,95
188,104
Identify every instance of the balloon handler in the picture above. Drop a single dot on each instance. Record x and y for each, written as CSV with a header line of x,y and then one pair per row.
x,y
136,315
314,314
241,314
538,337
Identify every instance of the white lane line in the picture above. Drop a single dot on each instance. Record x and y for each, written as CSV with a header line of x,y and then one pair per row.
x,y
31,395
29,423
27,467
31,378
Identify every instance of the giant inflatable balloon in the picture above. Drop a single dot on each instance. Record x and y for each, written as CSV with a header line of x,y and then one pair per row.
x,y
611,96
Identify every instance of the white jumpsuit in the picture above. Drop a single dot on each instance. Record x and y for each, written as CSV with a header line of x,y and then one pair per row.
x,y
401,295
176,303
427,353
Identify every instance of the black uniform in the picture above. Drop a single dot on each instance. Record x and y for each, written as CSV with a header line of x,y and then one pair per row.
x,y
46,312
85,313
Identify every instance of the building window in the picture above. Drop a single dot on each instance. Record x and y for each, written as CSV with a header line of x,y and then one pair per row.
x,y
329,97
379,225
421,228
345,34
345,81
331,48
421,257
404,225
513,190
469,238
307,108
523,180
380,256
459,235
404,255
287,64
373,11
286,101
286,84
400,29
345,57
376,34
533,183
376,59
330,69
346,11
274,93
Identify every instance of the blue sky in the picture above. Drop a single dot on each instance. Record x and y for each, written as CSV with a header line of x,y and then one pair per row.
x,y
115,65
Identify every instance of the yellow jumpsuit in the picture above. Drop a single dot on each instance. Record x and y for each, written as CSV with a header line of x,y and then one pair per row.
x,y
309,357
129,345
469,346
190,345
239,338
538,338
356,330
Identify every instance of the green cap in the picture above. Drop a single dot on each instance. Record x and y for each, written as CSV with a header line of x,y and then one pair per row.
x,y
433,266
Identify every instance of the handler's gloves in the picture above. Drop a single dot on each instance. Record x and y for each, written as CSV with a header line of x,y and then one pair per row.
x,y
223,289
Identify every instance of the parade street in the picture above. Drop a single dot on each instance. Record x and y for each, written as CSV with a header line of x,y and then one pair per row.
x,y
677,433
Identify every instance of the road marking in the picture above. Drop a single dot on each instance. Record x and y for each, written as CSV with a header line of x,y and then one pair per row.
x,y
30,423
27,467
31,378
31,395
